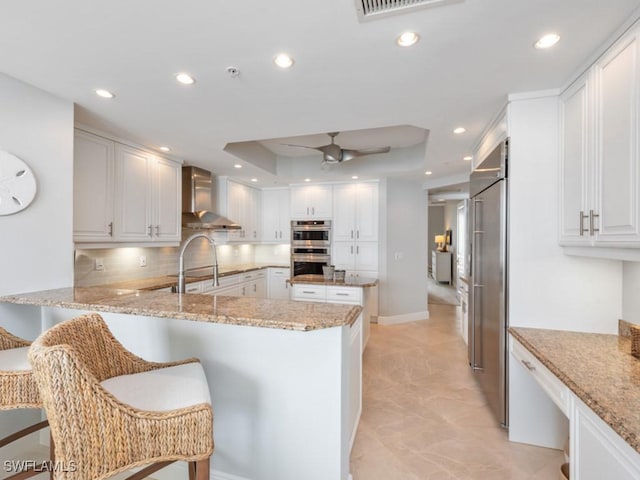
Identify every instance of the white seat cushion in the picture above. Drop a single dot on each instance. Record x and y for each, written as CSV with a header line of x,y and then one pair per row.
x,y
163,389
14,359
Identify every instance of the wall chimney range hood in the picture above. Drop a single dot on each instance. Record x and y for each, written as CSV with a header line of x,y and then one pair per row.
x,y
199,201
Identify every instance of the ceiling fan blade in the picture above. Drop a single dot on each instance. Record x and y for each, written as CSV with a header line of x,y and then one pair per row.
x,y
348,154
301,146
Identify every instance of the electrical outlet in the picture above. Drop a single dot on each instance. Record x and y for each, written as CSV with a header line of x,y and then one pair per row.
x,y
99,264
143,261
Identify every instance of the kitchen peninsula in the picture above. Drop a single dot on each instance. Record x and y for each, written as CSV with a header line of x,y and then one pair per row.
x,y
285,377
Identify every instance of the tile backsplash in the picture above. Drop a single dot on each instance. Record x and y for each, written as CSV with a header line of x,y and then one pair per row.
x,y
121,264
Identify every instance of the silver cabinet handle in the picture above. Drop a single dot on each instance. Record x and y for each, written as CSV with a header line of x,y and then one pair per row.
x,y
358,250
307,291
280,233
151,230
527,364
357,234
276,234
592,217
351,249
157,230
244,291
342,294
582,218
255,287
111,229
313,210
351,233
307,210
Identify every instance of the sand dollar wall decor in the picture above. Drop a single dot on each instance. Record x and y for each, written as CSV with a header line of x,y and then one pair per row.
x,y
17,184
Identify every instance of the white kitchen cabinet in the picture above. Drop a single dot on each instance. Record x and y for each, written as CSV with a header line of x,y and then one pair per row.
x,y
253,284
355,212
597,452
137,194
309,293
243,204
93,187
356,257
278,286
600,165
275,220
311,201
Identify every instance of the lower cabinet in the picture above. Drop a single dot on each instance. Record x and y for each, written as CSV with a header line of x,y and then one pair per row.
x,y
366,297
278,283
250,284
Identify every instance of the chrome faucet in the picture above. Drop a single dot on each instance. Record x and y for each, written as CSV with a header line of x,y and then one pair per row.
x,y
186,243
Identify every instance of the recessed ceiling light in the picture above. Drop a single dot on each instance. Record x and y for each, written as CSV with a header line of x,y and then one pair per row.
x,y
185,79
407,39
459,130
254,179
104,93
307,179
547,41
237,165
355,177
468,157
165,149
283,60
428,172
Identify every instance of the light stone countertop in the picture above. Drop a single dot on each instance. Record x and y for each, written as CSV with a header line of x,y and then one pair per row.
x,y
349,281
598,368
254,312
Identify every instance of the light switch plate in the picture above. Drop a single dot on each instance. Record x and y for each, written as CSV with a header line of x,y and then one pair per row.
x,y
143,261
99,264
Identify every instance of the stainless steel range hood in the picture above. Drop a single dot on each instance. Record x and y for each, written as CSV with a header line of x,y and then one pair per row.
x,y
199,201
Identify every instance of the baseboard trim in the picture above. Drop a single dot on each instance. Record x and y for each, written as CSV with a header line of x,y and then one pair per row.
x,y
404,318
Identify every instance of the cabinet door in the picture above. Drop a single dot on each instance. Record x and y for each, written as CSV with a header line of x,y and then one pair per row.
x,y
284,230
271,215
93,183
133,195
616,163
278,287
236,210
321,201
252,211
366,212
366,256
343,256
597,452
343,227
167,201
574,165
299,203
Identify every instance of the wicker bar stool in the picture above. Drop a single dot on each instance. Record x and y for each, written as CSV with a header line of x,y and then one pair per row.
x,y
18,389
111,411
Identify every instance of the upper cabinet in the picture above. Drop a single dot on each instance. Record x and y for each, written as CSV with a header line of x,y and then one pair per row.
x,y
124,194
355,212
311,201
599,168
243,207
275,215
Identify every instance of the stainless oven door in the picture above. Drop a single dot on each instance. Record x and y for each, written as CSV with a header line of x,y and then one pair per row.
x,y
310,235
308,264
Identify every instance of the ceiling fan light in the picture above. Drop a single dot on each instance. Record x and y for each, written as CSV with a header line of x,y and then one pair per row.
x,y
283,60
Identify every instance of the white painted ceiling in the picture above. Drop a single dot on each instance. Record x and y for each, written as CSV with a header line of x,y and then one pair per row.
x,y
348,75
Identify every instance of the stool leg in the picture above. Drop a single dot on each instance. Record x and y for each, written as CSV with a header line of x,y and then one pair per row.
x,y
52,455
202,469
192,470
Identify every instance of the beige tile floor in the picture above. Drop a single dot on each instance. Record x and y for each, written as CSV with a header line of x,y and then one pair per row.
x,y
423,416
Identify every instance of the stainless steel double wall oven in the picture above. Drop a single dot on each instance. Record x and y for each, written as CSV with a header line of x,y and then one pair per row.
x,y
310,246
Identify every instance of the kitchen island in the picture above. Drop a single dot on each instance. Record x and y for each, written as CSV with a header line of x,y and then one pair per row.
x,y
285,377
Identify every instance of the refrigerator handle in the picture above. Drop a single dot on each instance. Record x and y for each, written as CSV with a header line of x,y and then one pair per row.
x,y
477,315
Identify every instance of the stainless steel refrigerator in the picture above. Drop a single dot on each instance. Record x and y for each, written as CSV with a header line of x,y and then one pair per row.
x,y
488,308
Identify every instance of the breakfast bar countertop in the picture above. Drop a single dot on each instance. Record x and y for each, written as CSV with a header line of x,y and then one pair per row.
x,y
350,281
244,311
598,368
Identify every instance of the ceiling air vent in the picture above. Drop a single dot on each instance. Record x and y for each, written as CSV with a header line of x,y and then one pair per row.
x,y
372,9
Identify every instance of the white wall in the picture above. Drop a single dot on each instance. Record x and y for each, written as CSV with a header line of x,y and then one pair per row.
x,y
631,292
548,289
36,246
403,281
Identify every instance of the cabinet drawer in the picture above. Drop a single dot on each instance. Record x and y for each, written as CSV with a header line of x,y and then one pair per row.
x,y
315,293
556,390
344,295
249,276
195,287
280,272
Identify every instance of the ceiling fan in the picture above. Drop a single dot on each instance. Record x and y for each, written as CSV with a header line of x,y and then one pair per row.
x,y
333,153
